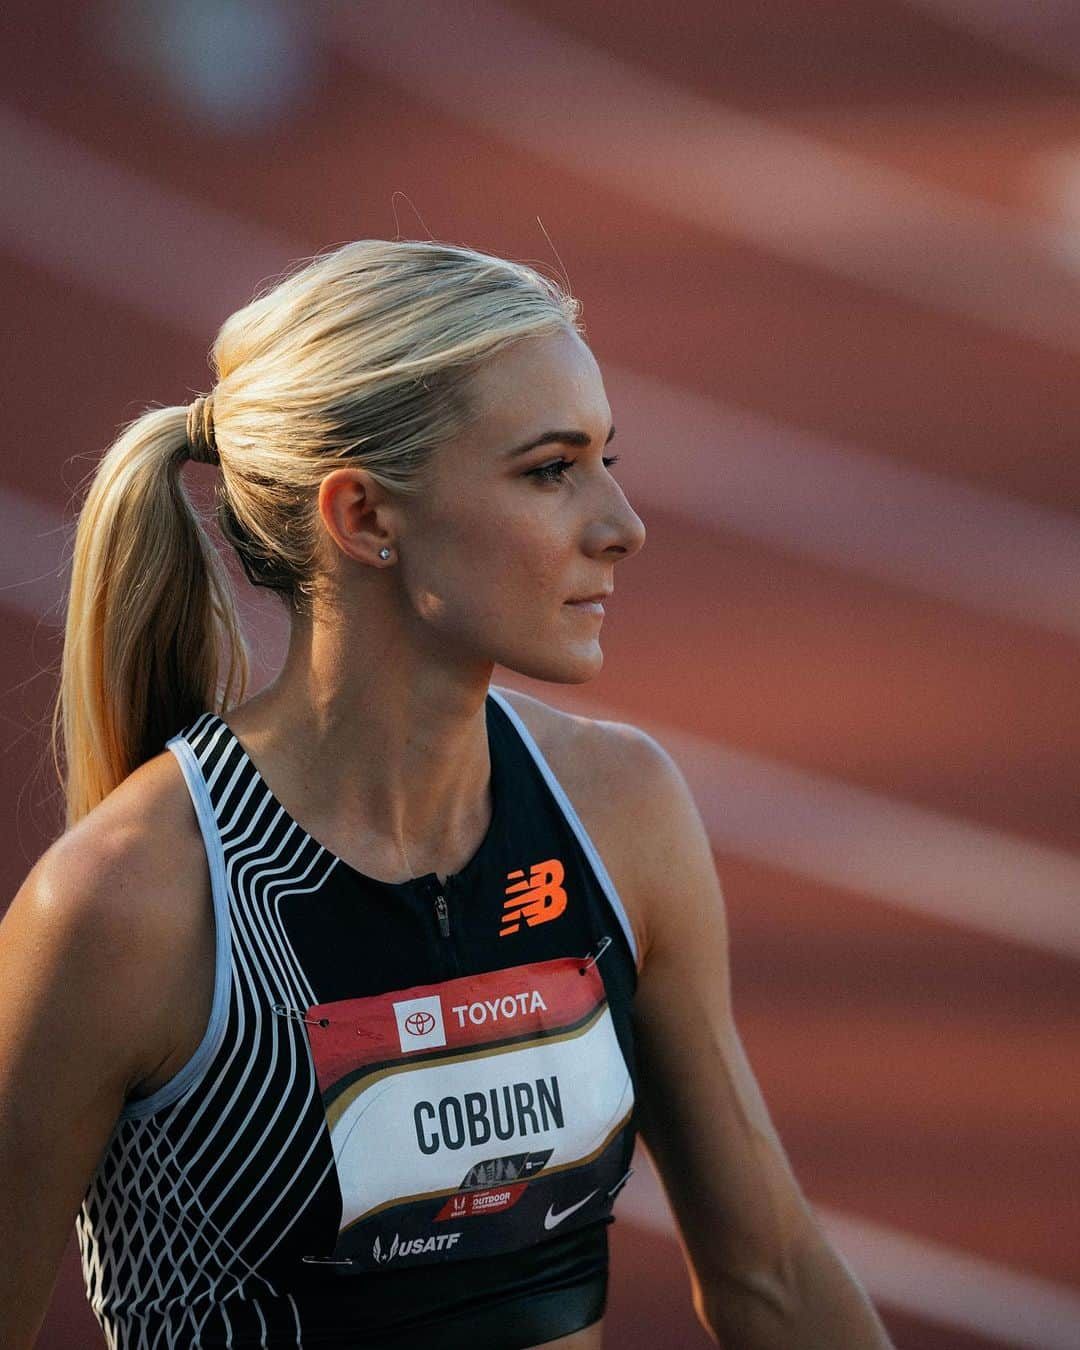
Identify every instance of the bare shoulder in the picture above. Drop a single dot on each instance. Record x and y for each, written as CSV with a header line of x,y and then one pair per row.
x,y
594,751
142,840
625,787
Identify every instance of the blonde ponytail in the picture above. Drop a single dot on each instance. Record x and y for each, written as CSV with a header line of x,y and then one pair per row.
x,y
151,619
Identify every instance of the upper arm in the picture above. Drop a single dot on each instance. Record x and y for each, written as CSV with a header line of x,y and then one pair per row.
x,y
701,1114
79,1024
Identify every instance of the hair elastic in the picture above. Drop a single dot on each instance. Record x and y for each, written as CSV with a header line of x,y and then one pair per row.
x,y
200,431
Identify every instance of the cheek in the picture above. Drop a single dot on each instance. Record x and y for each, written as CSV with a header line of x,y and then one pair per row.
x,y
483,559
499,581
511,543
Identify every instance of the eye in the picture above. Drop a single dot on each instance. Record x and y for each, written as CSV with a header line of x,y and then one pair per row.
x,y
553,472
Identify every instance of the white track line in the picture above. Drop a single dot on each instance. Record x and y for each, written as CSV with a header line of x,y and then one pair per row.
x,y
98,225
927,1278
863,512
90,221
679,153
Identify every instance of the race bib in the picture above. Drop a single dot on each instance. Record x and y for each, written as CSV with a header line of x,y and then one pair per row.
x,y
472,1117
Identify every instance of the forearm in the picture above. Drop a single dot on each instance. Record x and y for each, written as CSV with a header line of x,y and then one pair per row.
x,y
811,1301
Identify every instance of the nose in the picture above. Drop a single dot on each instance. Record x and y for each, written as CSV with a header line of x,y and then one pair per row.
x,y
617,530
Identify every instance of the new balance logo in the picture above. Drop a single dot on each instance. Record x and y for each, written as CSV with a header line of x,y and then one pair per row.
x,y
537,898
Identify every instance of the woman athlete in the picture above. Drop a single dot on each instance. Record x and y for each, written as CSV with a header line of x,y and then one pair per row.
x,y
332,1016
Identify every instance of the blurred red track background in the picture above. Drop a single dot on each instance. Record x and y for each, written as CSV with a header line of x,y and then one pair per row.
x,y
850,232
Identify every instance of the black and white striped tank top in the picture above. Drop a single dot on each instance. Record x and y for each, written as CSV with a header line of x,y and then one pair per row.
x,y
413,1105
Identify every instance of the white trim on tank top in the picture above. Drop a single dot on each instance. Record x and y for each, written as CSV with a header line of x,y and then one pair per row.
x,y
196,1066
573,819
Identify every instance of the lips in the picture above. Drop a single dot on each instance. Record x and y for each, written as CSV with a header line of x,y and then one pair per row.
x,y
600,596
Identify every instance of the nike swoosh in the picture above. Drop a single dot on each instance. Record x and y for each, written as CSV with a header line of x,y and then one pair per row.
x,y
551,1218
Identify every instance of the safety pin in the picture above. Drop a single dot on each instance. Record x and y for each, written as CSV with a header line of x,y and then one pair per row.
x,y
621,1181
327,1261
605,943
283,1011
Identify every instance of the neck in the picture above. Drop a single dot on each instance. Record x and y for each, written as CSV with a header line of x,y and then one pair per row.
x,y
378,752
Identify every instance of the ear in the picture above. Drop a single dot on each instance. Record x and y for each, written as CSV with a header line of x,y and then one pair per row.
x,y
358,514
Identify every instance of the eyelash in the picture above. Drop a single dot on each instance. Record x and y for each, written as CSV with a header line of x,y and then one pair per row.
x,y
558,467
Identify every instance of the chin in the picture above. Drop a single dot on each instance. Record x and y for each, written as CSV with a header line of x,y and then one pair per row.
x,y
556,666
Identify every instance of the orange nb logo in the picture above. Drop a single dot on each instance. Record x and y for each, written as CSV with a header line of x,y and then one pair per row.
x,y
537,898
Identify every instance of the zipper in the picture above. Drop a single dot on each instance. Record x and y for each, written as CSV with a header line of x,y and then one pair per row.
x,y
441,892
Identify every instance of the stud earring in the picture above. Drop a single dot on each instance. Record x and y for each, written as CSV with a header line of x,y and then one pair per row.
x,y
384,553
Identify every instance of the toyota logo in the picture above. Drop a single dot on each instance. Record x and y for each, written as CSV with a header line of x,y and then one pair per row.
x,y
419,1023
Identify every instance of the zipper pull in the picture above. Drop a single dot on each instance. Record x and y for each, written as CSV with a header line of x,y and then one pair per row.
x,y
444,917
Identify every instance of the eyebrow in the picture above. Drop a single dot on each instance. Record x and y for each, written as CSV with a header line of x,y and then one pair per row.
x,y
579,438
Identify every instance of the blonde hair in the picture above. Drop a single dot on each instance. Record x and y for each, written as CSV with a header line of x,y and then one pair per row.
x,y
361,357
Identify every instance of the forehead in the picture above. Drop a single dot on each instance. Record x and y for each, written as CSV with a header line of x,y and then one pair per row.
x,y
537,384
